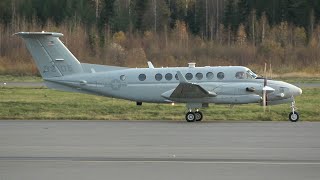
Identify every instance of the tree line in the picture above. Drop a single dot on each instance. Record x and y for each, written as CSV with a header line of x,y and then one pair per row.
x,y
212,32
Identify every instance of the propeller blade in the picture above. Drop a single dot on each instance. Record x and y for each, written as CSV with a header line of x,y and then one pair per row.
x,y
264,100
268,89
264,89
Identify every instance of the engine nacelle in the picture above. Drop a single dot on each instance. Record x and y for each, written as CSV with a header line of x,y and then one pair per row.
x,y
238,99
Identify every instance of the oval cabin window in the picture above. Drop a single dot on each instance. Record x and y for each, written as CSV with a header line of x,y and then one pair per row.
x,y
189,76
142,77
168,76
158,77
209,75
199,76
220,75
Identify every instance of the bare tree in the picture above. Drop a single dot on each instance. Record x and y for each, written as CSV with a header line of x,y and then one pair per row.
x,y
155,15
97,2
263,21
206,29
14,14
253,18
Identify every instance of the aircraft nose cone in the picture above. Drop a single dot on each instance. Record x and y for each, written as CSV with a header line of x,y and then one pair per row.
x,y
300,91
296,91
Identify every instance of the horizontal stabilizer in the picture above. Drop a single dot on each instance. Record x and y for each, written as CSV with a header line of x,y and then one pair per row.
x,y
28,34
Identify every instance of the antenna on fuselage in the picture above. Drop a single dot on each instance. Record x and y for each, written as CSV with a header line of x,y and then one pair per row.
x,y
191,64
150,65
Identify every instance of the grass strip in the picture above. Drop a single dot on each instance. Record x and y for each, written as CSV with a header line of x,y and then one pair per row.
x,y
43,103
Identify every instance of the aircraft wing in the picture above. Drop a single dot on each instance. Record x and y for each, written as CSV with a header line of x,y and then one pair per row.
x,y
187,90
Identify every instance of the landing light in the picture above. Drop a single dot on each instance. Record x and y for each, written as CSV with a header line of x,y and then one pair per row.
x,y
172,104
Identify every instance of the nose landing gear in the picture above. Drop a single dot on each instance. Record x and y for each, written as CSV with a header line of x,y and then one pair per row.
x,y
293,115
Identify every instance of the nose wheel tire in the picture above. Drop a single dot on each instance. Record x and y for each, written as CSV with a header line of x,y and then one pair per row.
x,y
191,117
199,115
294,116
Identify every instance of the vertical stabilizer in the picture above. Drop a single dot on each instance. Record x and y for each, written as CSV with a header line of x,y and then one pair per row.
x,y
51,56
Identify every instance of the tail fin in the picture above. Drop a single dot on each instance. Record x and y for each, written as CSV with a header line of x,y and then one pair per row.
x,y
51,56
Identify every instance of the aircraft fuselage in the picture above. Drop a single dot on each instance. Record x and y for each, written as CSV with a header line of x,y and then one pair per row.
x,y
153,82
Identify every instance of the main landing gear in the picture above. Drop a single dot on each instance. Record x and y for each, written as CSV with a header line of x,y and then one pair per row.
x,y
293,115
194,116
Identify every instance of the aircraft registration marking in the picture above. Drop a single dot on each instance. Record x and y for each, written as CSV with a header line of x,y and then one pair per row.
x,y
62,68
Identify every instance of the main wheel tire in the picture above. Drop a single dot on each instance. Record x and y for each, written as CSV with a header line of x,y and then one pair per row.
x,y
294,116
199,115
190,117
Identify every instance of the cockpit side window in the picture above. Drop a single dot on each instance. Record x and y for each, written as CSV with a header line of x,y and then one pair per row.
x,y
252,74
249,76
241,75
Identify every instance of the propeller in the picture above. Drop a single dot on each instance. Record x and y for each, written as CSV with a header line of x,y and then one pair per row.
x,y
266,89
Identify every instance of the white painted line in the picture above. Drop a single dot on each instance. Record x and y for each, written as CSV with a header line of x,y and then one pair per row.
x,y
204,162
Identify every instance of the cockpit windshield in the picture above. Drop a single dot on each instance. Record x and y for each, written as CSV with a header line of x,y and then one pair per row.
x,y
252,74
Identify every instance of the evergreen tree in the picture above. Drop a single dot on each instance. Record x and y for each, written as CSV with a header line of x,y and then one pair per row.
x,y
105,21
107,13
195,18
177,9
121,17
244,10
230,19
5,12
138,8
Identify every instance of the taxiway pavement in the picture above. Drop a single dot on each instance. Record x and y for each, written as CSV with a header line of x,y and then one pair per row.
x,y
159,150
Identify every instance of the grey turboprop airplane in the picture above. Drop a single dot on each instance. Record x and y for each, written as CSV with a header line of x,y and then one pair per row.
x,y
195,86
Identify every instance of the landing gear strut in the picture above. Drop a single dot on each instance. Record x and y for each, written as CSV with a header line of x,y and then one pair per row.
x,y
293,115
194,116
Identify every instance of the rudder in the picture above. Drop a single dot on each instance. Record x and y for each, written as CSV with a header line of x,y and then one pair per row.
x,y
51,56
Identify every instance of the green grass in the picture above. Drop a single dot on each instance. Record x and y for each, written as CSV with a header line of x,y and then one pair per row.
x,y
300,79
42,103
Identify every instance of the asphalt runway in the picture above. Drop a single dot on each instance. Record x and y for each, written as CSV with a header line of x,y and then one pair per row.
x,y
34,150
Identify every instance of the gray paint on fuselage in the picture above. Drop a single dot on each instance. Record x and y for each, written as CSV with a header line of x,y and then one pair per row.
x,y
150,90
